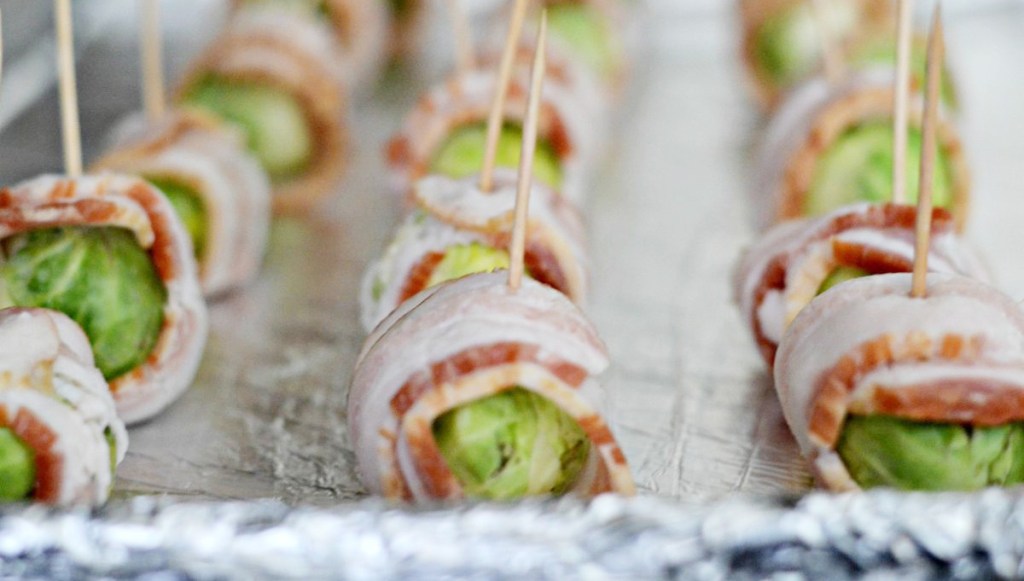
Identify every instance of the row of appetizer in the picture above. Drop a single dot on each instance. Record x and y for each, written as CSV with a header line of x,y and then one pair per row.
x,y
475,382
885,378
104,277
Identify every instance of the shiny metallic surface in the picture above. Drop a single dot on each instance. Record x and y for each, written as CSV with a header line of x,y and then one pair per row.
x,y
880,535
688,395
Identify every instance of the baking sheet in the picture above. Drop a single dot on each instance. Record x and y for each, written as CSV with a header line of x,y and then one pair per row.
x,y
671,210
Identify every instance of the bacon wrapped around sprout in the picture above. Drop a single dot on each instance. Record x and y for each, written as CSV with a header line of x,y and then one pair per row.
x,y
473,389
110,252
830,145
882,389
459,230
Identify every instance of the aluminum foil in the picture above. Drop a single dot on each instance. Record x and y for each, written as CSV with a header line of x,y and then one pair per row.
x,y
689,397
880,535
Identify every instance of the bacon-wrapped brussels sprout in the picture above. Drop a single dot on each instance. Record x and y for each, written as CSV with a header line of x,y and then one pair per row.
x,y
109,252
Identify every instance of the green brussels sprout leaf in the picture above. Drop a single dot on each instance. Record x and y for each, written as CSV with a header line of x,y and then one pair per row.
x,y
189,206
787,46
100,277
272,119
108,435
857,167
908,455
839,275
586,32
17,467
307,7
401,9
511,445
462,155
465,259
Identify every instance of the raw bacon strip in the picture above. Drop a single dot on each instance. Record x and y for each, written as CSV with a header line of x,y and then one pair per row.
x,y
465,100
197,151
781,273
265,47
456,212
359,29
813,117
54,399
867,347
128,202
459,342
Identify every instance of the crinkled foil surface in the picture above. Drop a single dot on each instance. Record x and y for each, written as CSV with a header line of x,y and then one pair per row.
x,y
883,535
251,472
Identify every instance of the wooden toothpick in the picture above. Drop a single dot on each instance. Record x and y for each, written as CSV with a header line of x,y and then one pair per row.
x,y
150,42
68,89
832,58
465,59
936,50
496,120
901,101
517,253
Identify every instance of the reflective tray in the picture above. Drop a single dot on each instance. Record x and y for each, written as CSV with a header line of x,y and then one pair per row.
x,y
670,212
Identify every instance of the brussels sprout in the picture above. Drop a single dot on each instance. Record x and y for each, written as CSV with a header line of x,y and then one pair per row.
x,y
511,445
309,7
887,451
462,154
585,30
101,278
839,275
787,46
108,435
189,206
858,168
17,467
273,120
401,9
465,259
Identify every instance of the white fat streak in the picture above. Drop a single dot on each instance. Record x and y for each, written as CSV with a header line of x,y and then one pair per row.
x,y
476,208
906,376
26,344
754,262
130,215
